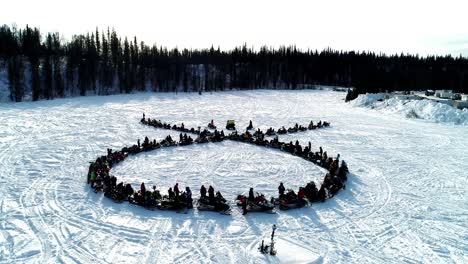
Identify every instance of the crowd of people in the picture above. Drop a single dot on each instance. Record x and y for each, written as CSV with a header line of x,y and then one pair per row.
x,y
100,179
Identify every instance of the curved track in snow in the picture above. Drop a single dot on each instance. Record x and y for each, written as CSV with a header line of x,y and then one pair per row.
x,y
406,200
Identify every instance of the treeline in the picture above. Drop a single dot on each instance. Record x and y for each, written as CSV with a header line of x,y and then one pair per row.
x,y
101,62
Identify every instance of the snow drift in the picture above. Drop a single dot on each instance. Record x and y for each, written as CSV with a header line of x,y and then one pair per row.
x,y
423,109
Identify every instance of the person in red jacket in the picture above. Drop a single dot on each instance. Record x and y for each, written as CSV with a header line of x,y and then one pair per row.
x,y
244,205
301,193
142,190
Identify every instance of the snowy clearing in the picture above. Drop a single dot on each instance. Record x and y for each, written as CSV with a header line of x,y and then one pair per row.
x,y
406,198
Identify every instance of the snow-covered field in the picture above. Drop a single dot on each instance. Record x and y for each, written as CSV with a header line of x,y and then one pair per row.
x,y
406,200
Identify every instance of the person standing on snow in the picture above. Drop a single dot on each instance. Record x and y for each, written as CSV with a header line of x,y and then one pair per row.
x,y
281,190
211,194
142,190
188,193
244,205
203,191
176,190
251,196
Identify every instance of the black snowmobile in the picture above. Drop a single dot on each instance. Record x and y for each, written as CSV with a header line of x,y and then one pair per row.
x,y
120,193
259,205
282,131
117,197
270,132
289,201
210,126
217,205
311,192
175,204
148,202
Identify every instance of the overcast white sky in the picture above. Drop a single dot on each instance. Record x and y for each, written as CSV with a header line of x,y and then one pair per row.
x,y
390,26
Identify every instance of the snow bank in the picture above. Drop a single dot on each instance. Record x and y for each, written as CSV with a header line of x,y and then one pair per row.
x,y
423,109
367,99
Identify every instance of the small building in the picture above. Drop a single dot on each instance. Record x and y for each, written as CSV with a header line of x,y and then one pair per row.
x,y
447,94
429,93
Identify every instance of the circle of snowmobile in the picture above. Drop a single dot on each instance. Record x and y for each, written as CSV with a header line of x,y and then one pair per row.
x,y
100,179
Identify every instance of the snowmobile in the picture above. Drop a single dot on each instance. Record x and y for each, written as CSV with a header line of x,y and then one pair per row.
x,y
289,201
210,126
292,130
149,202
231,125
117,197
171,204
311,191
201,140
260,204
282,131
218,205
263,206
291,204
175,204
260,142
258,133
326,124
270,132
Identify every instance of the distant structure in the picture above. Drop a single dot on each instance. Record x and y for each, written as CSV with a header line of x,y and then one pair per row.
x,y
447,97
444,94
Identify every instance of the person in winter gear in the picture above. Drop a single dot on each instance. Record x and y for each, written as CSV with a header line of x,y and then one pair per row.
x,y
203,191
188,194
176,190
128,190
251,195
250,125
281,190
321,195
142,190
301,193
170,193
92,178
211,194
155,195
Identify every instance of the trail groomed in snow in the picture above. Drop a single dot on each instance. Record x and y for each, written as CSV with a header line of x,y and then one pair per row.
x,y
405,200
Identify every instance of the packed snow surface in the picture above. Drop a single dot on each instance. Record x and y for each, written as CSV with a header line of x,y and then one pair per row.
x,y
423,109
406,198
